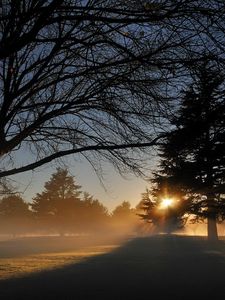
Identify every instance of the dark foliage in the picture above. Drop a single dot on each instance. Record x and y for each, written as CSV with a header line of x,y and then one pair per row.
x,y
193,156
93,77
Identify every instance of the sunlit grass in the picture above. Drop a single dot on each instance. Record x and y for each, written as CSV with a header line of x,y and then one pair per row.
x,y
16,267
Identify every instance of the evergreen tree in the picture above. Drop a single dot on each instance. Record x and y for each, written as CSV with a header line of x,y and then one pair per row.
x,y
161,218
146,208
124,218
94,215
122,211
57,205
15,216
193,156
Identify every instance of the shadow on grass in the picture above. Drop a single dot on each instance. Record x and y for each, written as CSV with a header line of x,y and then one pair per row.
x,y
161,267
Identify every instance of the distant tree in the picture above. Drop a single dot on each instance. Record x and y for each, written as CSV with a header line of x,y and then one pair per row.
x,y
122,210
57,205
124,218
85,76
94,215
146,208
193,156
15,216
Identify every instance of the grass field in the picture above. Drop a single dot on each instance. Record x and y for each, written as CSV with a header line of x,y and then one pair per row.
x,y
160,267
17,267
20,257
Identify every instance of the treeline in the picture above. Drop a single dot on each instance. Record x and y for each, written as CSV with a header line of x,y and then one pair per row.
x,y
63,208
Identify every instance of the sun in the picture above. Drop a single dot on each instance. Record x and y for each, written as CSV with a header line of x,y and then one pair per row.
x,y
166,202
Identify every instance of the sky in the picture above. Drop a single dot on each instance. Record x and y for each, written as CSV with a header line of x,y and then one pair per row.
x,y
114,190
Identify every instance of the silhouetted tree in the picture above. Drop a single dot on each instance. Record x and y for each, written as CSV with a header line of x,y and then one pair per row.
x,y
122,210
62,208
94,215
84,76
124,218
57,205
162,219
146,210
193,157
15,216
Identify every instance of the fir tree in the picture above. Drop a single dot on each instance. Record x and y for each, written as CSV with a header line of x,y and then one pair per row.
x,y
193,156
162,218
59,203
15,216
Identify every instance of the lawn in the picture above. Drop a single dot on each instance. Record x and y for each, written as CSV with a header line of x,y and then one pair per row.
x,y
23,256
160,267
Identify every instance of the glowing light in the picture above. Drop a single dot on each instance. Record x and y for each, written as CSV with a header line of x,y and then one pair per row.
x,y
166,202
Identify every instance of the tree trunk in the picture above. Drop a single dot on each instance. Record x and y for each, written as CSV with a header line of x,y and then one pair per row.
x,y
212,229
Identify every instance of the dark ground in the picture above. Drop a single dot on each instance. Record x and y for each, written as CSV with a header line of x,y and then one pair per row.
x,y
161,267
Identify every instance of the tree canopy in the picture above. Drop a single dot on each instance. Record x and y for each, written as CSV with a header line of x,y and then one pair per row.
x,y
15,216
90,76
192,159
162,210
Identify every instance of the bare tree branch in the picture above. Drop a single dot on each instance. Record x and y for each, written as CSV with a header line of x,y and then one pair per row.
x,y
77,75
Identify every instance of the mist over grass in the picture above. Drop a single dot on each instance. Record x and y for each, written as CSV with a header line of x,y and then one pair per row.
x,y
129,268
28,255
